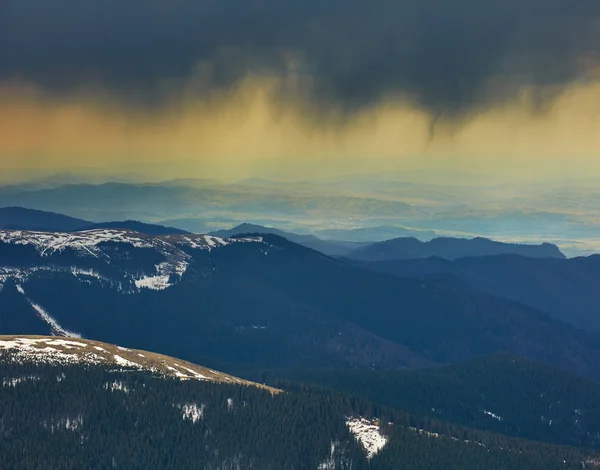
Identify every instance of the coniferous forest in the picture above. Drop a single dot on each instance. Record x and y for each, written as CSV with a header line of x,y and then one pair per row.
x,y
76,416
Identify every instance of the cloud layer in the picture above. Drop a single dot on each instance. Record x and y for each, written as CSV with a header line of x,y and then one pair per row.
x,y
446,57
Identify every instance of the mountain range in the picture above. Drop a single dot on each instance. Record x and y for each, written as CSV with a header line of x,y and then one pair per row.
x,y
328,247
352,210
564,288
450,248
292,305
403,248
472,348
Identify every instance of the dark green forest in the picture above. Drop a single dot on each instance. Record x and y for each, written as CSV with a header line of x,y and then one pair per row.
x,y
240,427
501,393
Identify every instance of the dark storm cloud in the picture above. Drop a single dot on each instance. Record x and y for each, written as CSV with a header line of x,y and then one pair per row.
x,y
447,56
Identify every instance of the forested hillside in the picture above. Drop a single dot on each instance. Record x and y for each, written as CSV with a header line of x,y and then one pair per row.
x,y
502,393
74,416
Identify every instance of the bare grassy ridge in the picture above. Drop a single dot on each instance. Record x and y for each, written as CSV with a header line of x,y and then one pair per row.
x,y
96,352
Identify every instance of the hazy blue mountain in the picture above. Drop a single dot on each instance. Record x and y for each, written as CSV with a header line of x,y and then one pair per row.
x,y
254,228
450,248
375,234
19,218
564,288
328,247
189,224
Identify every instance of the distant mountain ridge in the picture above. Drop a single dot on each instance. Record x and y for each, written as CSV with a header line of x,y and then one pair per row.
x,y
564,288
19,218
328,247
136,226
450,248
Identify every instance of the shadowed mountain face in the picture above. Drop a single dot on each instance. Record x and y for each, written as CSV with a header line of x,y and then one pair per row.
x,y
565,288
449,248
262,301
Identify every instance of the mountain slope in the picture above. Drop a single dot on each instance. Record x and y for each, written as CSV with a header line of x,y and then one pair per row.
x,y
566,289
449,248
501,393
73,416
262,301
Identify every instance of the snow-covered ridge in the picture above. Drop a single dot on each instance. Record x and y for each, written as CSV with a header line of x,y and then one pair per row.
x,y
63,351
176,251
492,415
87,242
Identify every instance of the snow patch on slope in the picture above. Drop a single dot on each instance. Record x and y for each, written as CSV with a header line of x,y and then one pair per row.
x,y
153,282
208,242
67,423
329,463
192,412
368,434
124,362
42,350
47,243
162,279
116,386
14,381
54,326
184,376
22,274
493,415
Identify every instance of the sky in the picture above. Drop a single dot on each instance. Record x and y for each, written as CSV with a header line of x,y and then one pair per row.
x,y
505,90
